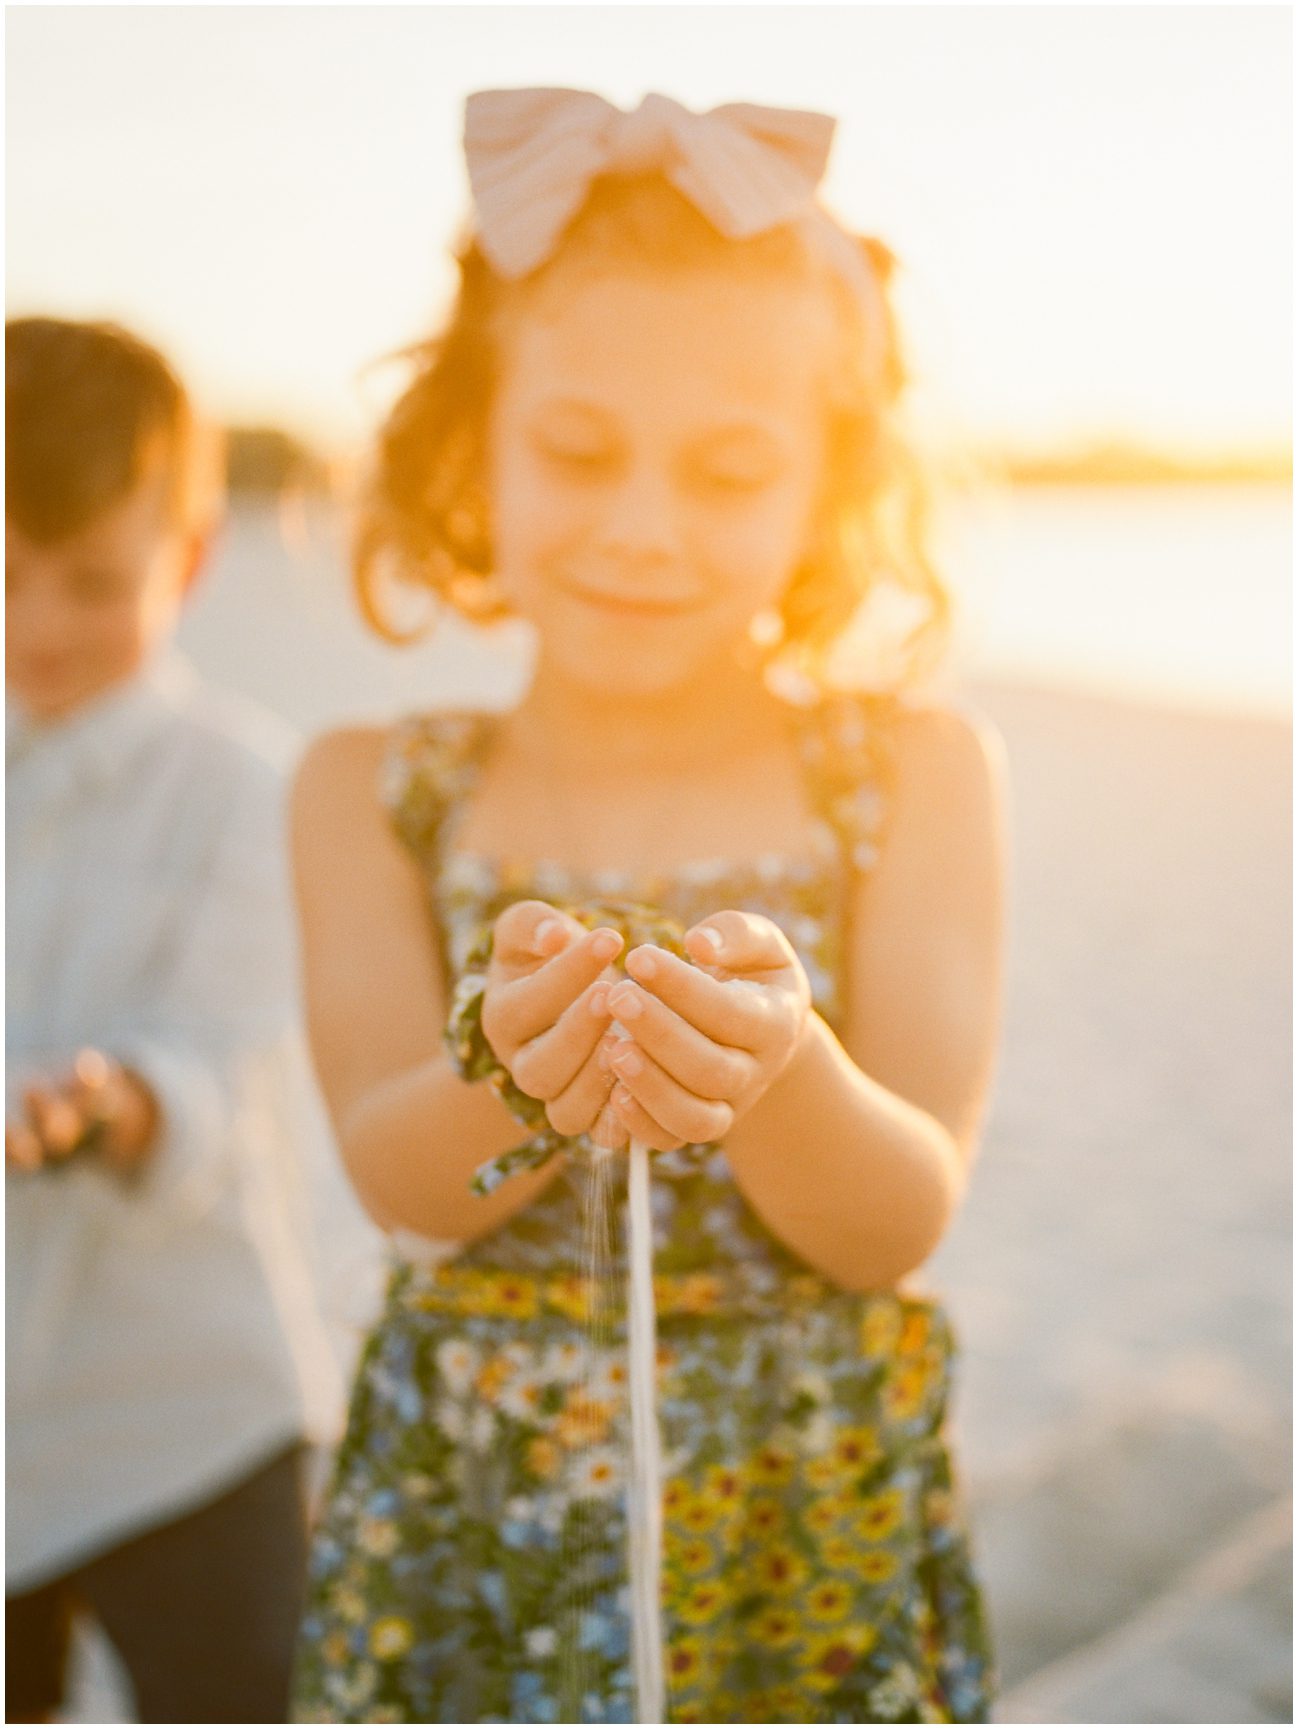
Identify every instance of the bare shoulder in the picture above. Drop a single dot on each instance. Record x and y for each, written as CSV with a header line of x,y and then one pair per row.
x,y
339,823
950,764
947,735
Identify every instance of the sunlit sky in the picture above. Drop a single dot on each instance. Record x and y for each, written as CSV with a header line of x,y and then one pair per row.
x,y
1092,203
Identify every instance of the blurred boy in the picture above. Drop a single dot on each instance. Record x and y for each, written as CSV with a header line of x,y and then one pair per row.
x,y
165,1363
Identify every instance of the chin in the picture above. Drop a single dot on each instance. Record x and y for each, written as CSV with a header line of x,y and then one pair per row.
x,y
631,668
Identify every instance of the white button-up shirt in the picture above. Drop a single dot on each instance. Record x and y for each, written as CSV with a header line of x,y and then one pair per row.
x,y
163,1332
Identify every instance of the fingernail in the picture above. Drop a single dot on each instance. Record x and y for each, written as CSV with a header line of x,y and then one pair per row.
x,y
620,1099
605,945
545,930
642,963
713,938
626,1003
598,1000
626,1060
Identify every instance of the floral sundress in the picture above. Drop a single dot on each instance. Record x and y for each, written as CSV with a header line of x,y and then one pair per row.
x,y
470,1562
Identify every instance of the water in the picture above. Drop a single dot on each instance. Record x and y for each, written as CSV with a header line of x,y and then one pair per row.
x,y
1173,595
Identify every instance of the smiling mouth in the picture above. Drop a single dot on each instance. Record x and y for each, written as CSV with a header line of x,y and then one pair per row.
x,y
633,606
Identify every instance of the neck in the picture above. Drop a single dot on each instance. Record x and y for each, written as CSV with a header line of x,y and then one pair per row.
x,y
716,717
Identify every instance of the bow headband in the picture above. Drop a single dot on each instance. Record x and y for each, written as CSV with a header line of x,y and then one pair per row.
x,y
532,155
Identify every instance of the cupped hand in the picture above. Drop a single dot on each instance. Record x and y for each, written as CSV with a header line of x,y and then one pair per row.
x,y
700,1044
544,1012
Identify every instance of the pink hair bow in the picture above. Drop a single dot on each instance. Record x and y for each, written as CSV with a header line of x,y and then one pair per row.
x,y
532,155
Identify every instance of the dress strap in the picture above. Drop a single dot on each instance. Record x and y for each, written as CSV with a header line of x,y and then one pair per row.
x,y
429,766
847,744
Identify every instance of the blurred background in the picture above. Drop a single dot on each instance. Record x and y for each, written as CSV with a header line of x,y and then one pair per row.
x,y
1093,211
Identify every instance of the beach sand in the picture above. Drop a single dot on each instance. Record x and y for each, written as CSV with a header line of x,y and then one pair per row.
x,y
1119,1276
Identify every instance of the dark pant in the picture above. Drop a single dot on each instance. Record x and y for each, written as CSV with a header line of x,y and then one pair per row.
x,y
203,1611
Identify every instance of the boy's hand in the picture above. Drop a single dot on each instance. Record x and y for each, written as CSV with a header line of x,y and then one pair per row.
x,y
703,1043
100,1107
544,1012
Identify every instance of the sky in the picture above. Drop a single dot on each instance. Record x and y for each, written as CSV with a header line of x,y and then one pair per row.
x,y
1092,204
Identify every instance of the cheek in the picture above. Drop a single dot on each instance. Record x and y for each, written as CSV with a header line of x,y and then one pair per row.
x,y
754,551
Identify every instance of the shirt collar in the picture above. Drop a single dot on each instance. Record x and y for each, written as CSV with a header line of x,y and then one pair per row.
x,y
97,739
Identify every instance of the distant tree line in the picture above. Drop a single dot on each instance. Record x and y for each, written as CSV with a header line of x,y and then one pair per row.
x,y
265,461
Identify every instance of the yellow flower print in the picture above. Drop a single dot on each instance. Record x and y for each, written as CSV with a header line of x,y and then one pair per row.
x,y
696,1555
822,1472
492,1377
787,1705
822,1515
903,1393
876,1566
829,1601
772,1467
698,1514
856,1448
570,1295
699,1294
725,1484
762,1516
914,1333
776,1628
779,1569
839,1551
880,1329
583,1421
703,1602
512,1297
880,1516
543,1457
379,1537
390,1638
833,1656
675,1495
805,1288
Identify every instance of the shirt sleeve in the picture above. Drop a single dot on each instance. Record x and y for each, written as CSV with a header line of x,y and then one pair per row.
x,y
215,1040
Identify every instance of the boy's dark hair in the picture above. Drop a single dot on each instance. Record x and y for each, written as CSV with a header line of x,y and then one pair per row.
x,y
89,409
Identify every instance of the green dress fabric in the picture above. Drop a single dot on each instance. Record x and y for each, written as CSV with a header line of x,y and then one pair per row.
x,y
470,1562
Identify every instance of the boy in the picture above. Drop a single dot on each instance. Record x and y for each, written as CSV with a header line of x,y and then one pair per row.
x,y
165,1361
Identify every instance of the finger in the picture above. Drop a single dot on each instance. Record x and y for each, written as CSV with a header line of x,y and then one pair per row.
x,y
734,1012
548,1064
23,1149
682,1113
530,931
739,943
700,1064
529,1006
635,1123
577,1108
608,1129
55,1119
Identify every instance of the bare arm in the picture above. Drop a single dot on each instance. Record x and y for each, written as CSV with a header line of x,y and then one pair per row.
x,y
410,1132
858,1154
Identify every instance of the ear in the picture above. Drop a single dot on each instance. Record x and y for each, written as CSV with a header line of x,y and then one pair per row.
x,y
195,557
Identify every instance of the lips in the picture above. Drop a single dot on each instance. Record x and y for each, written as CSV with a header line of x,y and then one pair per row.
x,y
633,606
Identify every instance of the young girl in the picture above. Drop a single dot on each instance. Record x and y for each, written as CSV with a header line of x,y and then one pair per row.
x,y
662,426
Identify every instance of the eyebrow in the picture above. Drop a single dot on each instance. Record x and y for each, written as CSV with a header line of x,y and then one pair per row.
x,y
734,427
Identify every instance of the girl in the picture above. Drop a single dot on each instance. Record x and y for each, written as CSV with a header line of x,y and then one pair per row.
x,y
662,426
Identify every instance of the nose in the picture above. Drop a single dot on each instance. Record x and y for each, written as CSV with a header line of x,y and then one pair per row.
x,y
640,516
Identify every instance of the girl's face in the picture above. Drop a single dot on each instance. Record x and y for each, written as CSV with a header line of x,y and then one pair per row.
x,y
656,449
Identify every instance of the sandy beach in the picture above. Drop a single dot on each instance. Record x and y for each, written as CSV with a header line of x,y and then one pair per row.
x,y
1119,1277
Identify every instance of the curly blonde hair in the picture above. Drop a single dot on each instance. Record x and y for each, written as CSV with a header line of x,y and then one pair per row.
x,y
425,515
